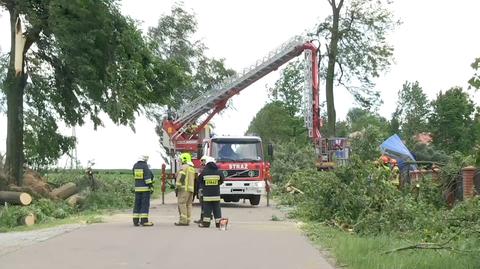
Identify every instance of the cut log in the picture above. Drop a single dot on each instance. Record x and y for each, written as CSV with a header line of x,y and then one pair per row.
x,y
75,200
27,220
16,198
65,191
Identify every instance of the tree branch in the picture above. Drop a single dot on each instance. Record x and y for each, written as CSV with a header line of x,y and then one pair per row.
x,y
434,246
341,70
32,37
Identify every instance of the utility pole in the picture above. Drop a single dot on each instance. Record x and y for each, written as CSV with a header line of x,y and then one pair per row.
x,y
73,152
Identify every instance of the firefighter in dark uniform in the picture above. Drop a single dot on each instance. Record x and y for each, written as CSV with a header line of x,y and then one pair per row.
x,y
143,188
198,190
210,180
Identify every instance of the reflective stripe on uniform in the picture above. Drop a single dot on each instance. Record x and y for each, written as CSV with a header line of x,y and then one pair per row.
x,y
148,181
211,180
211,198
143,215
135,215
141,189
138,173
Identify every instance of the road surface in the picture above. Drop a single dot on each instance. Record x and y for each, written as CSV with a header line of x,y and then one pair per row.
x,y
252,240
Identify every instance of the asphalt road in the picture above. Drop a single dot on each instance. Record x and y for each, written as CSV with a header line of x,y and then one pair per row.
x,y
252,240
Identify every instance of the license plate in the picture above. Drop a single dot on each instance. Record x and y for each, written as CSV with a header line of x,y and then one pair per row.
x,y
238,190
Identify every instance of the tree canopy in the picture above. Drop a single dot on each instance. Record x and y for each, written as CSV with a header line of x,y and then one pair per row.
x,y
412,111
356,50
452,121
79,58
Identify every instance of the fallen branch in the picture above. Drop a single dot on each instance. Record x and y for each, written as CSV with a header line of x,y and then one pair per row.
x,y
426,245
432,246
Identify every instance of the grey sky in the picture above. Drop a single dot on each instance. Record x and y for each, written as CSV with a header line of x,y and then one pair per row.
x,y
435,45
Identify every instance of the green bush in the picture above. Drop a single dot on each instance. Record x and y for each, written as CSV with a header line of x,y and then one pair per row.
x,y
359,197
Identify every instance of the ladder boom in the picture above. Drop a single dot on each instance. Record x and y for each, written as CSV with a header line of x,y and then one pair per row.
x,y
192,111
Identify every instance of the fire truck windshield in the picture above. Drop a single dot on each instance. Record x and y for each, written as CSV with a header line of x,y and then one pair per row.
x,y
237,150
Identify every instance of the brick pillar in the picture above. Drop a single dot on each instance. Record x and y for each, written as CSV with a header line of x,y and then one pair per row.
x,y
468,173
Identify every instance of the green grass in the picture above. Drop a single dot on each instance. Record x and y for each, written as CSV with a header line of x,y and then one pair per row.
x,y
356,252
114,194
86,218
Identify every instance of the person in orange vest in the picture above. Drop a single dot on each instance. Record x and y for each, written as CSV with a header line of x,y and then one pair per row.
x,y
383,167
184,185
395,175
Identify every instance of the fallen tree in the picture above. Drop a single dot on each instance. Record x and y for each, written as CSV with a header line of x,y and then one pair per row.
x,y
16,198
65,191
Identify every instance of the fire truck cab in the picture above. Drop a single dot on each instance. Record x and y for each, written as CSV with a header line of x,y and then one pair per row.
x,y
241,160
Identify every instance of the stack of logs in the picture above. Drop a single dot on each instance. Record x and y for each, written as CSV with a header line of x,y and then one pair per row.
x,y
36,186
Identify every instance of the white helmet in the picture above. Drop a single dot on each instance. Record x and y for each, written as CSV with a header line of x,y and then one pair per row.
x,y
207,159
143,158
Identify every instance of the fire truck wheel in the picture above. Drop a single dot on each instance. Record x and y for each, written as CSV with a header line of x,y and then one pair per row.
x,y
255,200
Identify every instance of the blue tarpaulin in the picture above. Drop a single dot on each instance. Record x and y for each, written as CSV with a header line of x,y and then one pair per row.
x,y
394,148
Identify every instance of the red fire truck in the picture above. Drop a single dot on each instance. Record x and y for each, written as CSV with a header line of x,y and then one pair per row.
x,y
247,173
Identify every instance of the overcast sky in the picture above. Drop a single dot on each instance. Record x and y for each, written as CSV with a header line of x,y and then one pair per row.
x,y
435,45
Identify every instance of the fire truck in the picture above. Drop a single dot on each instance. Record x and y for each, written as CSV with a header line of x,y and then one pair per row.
x,y
246,172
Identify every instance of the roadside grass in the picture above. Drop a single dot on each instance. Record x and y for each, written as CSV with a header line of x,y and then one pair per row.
x,y
360,252
86,218
114,195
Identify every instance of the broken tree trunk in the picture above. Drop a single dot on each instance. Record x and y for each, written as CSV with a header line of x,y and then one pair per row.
x,y
65,191
27,220
16,198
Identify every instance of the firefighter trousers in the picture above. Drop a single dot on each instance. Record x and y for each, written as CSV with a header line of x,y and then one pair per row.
x,y
185,200
208,208
141,207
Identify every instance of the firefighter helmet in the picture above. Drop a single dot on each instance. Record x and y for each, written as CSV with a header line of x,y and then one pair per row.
x,y
393,162
207,159
185,157
143,158
384,160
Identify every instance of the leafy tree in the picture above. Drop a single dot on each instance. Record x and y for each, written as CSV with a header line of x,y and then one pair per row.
x,y
475,80
274,125
368,130
75,59
289,89
412,111
43,144
356,49
358,119
172,40
452,120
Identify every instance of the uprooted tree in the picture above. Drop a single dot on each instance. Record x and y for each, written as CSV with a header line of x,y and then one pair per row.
x,y
70,60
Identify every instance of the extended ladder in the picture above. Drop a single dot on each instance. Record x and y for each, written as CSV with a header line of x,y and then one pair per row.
x,y
190,112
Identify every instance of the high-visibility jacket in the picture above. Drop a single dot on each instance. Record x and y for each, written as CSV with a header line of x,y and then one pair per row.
x,y
210,180
395,175
143,176
186,178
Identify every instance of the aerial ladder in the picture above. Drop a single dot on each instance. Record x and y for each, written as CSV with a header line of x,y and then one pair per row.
x,y
180,130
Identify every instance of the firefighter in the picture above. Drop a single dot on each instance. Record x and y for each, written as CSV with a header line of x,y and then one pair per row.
x,y
184,186
383,169
143,188
395,175
210,180
203,161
